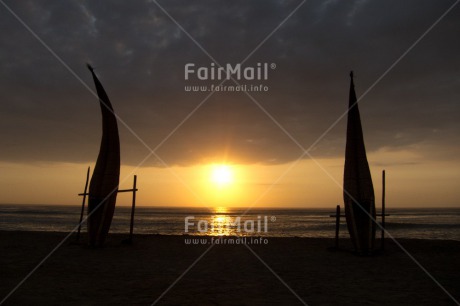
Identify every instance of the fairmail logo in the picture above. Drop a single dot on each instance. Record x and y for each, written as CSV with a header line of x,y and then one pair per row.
x,y
213,72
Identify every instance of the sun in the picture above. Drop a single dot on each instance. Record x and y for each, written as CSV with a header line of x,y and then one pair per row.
x,y
222,185
221,175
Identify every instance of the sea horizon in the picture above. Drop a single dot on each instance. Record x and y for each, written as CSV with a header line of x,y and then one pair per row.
x,y
331,208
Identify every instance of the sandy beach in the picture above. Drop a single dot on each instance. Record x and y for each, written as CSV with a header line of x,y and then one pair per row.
x,y
139,274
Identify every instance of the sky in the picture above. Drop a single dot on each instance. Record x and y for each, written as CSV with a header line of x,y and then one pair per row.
x,y
404,55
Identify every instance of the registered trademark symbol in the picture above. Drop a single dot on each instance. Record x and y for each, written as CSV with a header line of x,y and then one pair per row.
x,y
273,218
273,66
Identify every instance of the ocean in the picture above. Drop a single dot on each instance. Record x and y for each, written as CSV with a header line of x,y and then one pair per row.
x,y
433,223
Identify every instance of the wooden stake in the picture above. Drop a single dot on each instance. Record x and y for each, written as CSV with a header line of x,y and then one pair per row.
x,y
131,227
337,225
383,210
83,205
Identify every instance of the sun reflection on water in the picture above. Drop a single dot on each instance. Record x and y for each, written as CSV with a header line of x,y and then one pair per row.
x,y
221,210
221,223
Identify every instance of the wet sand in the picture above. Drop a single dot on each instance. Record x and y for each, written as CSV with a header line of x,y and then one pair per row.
x,y
286,271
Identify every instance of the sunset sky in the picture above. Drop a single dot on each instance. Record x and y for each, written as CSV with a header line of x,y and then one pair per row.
x,y
51,123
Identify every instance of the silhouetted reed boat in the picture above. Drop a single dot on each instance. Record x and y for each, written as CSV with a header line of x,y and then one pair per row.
x,y
104,181
358,191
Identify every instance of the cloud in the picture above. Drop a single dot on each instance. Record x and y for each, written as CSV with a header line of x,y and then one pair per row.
x,y
139,55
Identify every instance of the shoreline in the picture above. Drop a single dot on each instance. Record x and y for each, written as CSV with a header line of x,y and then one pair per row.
x,y
123,274
125,235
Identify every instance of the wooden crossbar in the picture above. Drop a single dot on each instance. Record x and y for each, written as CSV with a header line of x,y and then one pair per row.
x,y
120,190
133,206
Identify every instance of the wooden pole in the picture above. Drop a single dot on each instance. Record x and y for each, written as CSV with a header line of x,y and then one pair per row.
x,y
383,210
131,227
83,205
337,225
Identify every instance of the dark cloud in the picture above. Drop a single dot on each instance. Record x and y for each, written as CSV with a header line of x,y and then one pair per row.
x,y
139,54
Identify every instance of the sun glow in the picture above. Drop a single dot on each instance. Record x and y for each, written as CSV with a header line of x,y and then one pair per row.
x,y
221,175
221,185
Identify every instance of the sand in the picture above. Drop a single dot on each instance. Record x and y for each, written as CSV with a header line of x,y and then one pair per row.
x,y
139,274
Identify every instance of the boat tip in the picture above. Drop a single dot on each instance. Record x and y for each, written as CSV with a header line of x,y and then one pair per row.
x,y
89,67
